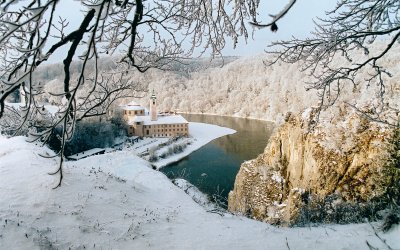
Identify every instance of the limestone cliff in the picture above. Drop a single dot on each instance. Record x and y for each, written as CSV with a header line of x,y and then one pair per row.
x,y
349,159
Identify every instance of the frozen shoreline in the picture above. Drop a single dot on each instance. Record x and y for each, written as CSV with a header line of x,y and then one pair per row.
x,y
199,135
202,133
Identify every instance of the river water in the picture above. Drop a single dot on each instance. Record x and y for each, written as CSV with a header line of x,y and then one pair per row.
x,y
213,168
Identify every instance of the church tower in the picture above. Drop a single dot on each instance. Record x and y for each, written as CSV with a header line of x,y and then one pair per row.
x,y
153,107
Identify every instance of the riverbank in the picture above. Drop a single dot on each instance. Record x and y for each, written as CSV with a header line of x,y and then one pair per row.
x,y
213,168
225,115
199,135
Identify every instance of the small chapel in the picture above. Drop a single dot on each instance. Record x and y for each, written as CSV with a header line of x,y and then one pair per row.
x,y
152,124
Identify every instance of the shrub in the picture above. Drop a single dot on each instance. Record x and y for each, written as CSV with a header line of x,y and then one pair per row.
x,y
153,156
333,209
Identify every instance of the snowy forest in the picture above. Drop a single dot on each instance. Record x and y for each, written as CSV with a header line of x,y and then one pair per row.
x,y
244,87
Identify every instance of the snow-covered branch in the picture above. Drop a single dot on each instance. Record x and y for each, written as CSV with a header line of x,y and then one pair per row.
x,y
352,26
275,18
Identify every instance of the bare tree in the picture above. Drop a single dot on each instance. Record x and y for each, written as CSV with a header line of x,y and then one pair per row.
x,y
352,26
144,34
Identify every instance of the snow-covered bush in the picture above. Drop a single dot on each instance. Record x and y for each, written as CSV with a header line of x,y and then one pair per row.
x,y
178,148
172,149
153,157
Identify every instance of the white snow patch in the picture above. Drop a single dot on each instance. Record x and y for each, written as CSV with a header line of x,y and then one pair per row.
x,y
86,153
277,177
199,197
115,201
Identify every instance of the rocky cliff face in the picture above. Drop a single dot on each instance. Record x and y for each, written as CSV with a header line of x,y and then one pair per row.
x,y
349,160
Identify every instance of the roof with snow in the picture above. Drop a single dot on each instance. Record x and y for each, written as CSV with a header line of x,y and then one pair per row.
x,y
127,107
168,119
131,106
132,103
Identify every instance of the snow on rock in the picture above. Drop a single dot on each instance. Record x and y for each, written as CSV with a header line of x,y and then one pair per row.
x,y
115,201
348,160
337,152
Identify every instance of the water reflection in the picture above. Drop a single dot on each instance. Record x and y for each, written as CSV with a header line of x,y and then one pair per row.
x,y
213,168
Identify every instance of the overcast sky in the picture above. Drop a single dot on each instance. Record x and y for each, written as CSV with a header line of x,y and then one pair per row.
x,y
298,22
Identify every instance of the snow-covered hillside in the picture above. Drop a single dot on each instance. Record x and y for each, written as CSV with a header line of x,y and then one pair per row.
x,y
247,87
116,201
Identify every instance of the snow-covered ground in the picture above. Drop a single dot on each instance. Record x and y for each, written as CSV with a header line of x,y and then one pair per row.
x,y
116,201
199,135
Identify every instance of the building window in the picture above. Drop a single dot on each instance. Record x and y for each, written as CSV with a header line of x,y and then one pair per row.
x,y
147,132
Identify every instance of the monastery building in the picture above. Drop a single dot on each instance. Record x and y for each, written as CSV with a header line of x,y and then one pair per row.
x,y
151,124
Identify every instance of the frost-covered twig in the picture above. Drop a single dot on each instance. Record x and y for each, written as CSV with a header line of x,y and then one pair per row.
x,y
275,18
347,30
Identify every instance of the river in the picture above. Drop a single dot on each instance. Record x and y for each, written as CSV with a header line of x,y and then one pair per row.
x,y
213,168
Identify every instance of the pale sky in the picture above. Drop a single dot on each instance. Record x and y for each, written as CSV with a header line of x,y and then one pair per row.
x,y
298,22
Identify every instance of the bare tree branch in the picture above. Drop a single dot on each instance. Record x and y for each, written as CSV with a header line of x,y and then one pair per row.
x,y
146,34
349,29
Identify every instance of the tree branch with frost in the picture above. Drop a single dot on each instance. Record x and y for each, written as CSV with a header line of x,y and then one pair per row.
x,y
143,34
275,18
108,89
346,32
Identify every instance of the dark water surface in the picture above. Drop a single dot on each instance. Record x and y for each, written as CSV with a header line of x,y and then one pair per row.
x,y
213,167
